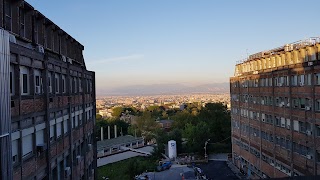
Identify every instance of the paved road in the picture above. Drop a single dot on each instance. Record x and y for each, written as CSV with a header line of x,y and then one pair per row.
x,y
171,174
217,170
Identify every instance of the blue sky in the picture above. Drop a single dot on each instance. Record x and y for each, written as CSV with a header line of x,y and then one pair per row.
x,y
132,42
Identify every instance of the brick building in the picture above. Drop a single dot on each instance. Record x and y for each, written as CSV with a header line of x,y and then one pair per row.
x,y
275,111
52,117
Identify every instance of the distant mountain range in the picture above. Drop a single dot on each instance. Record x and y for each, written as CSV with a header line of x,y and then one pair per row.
x,y
166,89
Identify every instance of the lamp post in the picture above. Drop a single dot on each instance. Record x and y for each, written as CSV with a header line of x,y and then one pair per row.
x,y
205,149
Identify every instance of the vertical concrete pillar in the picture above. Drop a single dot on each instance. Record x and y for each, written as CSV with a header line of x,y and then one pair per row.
x,y
101,133
115,131
108,132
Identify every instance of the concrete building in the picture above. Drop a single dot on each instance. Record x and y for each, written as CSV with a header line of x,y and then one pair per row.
x,y
275,111
47,127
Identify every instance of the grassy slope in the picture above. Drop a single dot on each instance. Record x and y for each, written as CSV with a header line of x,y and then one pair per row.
x,y
127,169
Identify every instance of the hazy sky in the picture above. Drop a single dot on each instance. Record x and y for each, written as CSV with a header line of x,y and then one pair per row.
x,y
130,42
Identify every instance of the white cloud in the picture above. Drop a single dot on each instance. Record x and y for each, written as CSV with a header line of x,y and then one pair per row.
x,y
117,59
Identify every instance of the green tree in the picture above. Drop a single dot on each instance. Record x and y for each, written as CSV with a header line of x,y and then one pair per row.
x,y
147,125
117,111
196,136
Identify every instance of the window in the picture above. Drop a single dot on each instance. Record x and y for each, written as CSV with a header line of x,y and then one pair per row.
x,y
65,126
63,84
80,85
317,105
295,125
11,80
27,145
14,151
50,82
75,84
22,22
24,80
294,80
59,129
308,79
317,79
51,132
302,103
38,82
301,80
57,83
8,15
40,137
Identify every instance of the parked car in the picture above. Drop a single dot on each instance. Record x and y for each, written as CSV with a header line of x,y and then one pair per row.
x,y
164,165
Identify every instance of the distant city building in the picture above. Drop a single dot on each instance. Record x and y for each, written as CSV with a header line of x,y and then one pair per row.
x,y
275,111
47,126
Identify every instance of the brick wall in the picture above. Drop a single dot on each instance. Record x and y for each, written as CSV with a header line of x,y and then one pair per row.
x,y
31,105
28,168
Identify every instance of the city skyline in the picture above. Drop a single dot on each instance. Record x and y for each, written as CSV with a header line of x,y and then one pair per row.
x,y
167,42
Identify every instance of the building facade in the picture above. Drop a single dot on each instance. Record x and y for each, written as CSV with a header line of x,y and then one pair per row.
x,y
50,116
275,111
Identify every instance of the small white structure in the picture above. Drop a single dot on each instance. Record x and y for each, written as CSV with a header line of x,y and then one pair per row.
x,y
172,149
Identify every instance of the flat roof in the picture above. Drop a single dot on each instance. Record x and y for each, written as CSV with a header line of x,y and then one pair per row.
x,y
116,141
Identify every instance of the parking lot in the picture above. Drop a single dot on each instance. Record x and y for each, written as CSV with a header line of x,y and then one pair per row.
x,y
216,170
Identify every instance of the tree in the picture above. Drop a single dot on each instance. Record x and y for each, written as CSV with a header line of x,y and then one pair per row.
x,y
117,111
196,136
147,126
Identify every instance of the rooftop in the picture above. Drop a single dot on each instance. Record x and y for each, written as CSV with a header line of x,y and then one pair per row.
x,y
116,141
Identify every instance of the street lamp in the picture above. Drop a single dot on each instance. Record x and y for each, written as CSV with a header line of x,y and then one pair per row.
x,y
205,149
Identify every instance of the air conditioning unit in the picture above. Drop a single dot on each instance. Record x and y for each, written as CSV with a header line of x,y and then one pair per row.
x,y
63,58
280,84
90,147
280,105
12,38
308,132
67,172
37,90
307,108
40,49
264,176
301,83
309,156
310,63
41,147
69,60
79,158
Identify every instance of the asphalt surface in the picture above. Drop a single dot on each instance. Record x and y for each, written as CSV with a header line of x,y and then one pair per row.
x,y
217,170
170,174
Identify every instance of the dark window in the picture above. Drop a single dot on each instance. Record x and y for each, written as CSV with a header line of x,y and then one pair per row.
x,y
25,83
22,22
63,85
57,85
37,80
8,15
